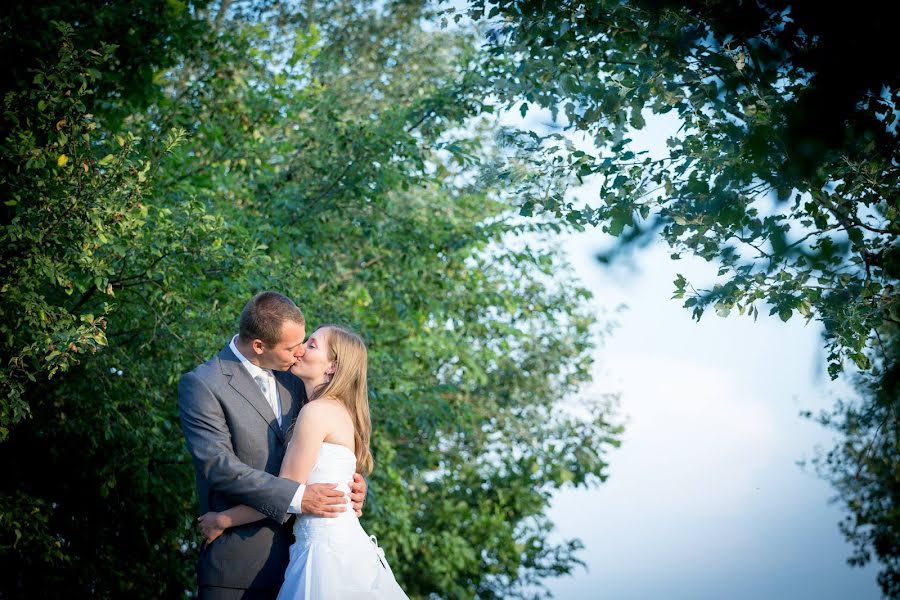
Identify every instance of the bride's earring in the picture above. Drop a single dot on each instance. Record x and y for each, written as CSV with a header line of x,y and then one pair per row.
x,y
329,375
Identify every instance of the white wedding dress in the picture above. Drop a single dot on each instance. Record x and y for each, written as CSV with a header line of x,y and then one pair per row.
x,y
333,558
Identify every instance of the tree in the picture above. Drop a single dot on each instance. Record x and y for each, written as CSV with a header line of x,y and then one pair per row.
x,y
144,37
258,161
85,261
784,170
863,466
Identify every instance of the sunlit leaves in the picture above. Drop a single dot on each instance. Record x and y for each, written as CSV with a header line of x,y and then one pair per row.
x,y
337,157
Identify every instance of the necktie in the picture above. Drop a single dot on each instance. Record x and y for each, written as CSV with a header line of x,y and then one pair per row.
x,y
262,380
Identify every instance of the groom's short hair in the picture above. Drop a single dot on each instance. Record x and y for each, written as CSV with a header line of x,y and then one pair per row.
x,y
264,315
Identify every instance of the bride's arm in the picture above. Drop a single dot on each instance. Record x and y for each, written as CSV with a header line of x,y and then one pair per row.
x,y
312,427
310,430
213,524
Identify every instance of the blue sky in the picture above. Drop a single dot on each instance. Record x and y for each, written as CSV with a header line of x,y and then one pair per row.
x,y
705,499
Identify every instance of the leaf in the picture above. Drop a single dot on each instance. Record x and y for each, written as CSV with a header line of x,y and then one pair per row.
x,y
637,119
527,209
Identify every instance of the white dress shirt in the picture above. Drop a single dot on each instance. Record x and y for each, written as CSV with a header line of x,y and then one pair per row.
x,y
272,396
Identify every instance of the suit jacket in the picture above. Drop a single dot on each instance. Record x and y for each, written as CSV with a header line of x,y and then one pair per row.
x,y
237,447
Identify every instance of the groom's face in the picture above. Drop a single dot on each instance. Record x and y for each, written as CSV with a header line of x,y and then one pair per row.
x,y
287,351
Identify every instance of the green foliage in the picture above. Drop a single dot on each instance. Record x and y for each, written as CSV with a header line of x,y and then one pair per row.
x,y
262,161
146,36
783,172
93,269
864,467
76,228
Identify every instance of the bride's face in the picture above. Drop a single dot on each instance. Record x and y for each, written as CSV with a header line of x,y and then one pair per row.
x,y
315,362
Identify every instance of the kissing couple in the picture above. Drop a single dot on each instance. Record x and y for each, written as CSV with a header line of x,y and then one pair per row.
x,y
278,425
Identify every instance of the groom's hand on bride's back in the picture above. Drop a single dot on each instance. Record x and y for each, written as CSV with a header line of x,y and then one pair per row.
x,y
323,500
358,493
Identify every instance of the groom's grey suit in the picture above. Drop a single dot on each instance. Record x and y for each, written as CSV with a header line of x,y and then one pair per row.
x,y
237,446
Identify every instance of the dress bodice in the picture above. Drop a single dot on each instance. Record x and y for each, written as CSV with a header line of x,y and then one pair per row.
x,y
333,557
336,464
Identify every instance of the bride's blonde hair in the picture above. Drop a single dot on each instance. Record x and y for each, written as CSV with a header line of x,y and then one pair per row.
x,y
348,386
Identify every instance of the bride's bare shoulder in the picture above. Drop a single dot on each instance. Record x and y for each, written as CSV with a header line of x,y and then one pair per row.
x,y
331,414
323,407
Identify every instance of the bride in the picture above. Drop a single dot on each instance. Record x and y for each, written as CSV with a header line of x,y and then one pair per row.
x,y
331,557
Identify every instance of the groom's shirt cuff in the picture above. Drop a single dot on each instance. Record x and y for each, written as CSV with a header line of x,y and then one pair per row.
x,y
294,508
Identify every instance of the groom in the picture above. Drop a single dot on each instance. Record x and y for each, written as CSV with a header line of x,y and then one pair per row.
x,y
236,413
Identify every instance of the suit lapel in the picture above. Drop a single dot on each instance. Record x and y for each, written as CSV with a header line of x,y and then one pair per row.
x,y
244,385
